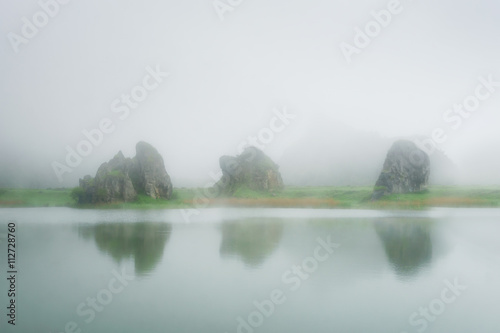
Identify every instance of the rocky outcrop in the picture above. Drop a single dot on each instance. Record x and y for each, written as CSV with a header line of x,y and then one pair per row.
x,y
252,169
148,172
113,181
406,169
122,179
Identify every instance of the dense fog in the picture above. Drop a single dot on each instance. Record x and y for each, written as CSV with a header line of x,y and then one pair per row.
x,y
307,82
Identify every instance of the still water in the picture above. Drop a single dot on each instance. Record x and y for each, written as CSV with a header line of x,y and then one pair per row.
x,y
253,270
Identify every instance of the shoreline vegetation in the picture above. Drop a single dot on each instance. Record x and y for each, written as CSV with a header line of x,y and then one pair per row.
x,y
345,197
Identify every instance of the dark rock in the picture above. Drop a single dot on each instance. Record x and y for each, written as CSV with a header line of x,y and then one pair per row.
x,y
121,179
252,169
86,192
113,181
149,174
406,169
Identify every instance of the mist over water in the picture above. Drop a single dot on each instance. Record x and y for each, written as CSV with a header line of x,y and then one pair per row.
x,y
131,201
178,277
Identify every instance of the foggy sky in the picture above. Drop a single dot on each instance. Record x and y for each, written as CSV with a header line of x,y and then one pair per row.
x,y
227,76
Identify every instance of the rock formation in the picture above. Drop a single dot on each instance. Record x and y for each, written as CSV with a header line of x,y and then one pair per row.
x,y
406,169
121,179
148,172
252,169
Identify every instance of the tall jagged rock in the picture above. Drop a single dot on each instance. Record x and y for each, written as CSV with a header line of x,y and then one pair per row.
x,y
148,173
252,169
113,178
121,179
406,169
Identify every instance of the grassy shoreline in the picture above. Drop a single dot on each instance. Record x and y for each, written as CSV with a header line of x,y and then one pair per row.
x,y
291,197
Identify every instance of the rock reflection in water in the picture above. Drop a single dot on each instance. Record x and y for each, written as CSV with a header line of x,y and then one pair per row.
x,y
407,244
143,241
251,240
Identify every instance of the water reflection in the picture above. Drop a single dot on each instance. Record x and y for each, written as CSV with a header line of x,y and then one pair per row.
x,y
251,240
407,243
142,241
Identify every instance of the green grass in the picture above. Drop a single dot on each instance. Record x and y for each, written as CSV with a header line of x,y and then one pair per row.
x,y
181,198
345,195
35,197
360,197
247,193
447,196
340,197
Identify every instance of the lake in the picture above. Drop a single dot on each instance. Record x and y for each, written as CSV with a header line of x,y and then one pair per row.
x,y
252,270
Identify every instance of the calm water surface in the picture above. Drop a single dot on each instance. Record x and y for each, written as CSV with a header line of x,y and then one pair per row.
x,y
242,270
